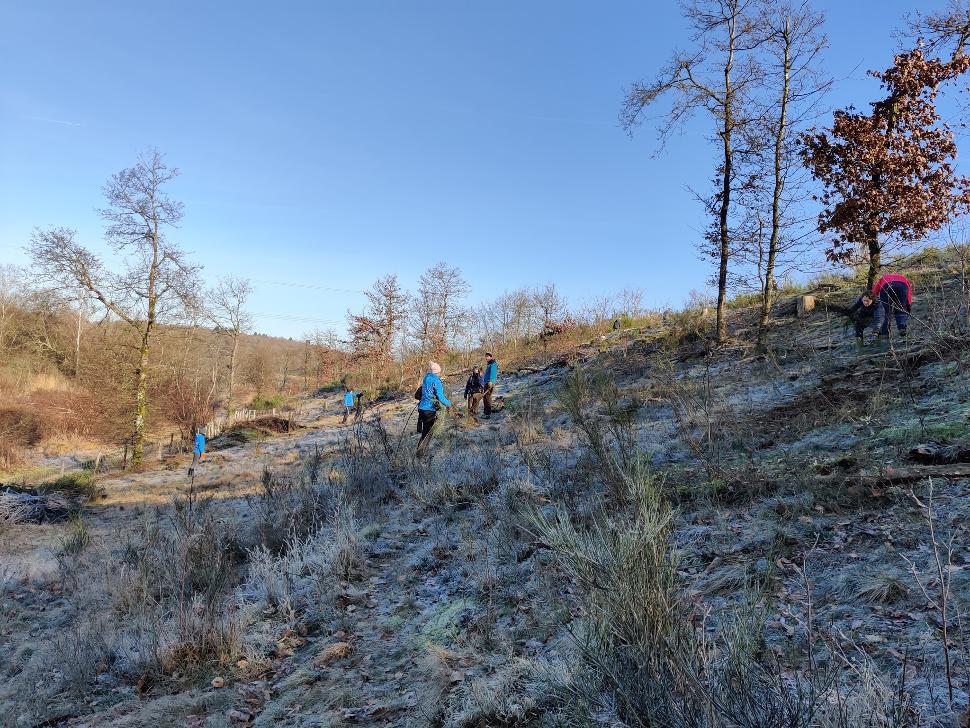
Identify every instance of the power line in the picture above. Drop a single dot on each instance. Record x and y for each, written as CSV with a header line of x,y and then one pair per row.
x,y
313,286
297,318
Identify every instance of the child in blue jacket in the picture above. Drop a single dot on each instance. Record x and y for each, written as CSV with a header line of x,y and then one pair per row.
x,y
198,450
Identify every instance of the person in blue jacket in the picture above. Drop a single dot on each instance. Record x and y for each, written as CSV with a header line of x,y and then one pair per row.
x,y
432,393
491,377
348,403
198,451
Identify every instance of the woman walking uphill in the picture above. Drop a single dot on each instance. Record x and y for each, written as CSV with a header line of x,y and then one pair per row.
x,y
432,393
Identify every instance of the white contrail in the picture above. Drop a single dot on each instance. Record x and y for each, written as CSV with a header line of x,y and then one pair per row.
x,y
53,121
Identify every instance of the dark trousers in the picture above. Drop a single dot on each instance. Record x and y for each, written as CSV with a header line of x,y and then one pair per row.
x,y
892,304
346,413
196,458
489,390
473,399
864,322
426,420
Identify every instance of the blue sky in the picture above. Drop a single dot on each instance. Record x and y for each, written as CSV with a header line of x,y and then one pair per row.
x,y
330,143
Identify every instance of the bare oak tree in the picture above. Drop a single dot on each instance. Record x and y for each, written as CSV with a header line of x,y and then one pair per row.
x,y
156,281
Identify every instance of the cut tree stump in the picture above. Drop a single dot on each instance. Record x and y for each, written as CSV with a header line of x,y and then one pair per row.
x,y
804,305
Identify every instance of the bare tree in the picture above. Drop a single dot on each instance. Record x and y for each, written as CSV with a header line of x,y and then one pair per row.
x,y
189,380
718,78
156,282
325,345
257,371
946,32
793,42
437,315
10,279
227,311
527,320
631,302
551,305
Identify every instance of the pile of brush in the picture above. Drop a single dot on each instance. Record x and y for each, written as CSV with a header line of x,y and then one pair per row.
x,y
18,505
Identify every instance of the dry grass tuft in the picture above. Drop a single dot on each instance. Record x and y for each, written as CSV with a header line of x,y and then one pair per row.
x,y
881,587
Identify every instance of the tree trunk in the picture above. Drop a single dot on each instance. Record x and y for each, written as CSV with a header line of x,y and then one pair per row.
x,y
780,134
232,371
141,373
724,232
77,341
875,260
141,401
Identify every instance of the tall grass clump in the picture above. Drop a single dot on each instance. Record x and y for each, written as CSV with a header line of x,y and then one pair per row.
x,y
290,506
160,608
304,576
630,611
605,419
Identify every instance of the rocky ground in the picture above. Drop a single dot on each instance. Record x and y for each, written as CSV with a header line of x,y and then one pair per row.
x,y
425,594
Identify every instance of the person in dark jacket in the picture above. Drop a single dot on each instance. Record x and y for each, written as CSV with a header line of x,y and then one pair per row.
x,y
490,379
359,412
862,313
432,394
894,293
474,389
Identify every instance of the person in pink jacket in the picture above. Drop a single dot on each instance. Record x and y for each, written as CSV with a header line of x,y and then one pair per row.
x,y
894,294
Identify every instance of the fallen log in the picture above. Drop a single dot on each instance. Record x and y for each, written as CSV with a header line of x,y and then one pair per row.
x,y
932,453
894,476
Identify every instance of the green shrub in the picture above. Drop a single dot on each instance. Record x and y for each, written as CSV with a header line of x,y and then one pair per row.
x,y
78,482
267,403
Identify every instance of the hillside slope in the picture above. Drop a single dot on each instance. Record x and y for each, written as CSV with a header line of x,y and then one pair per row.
x,y
808,567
